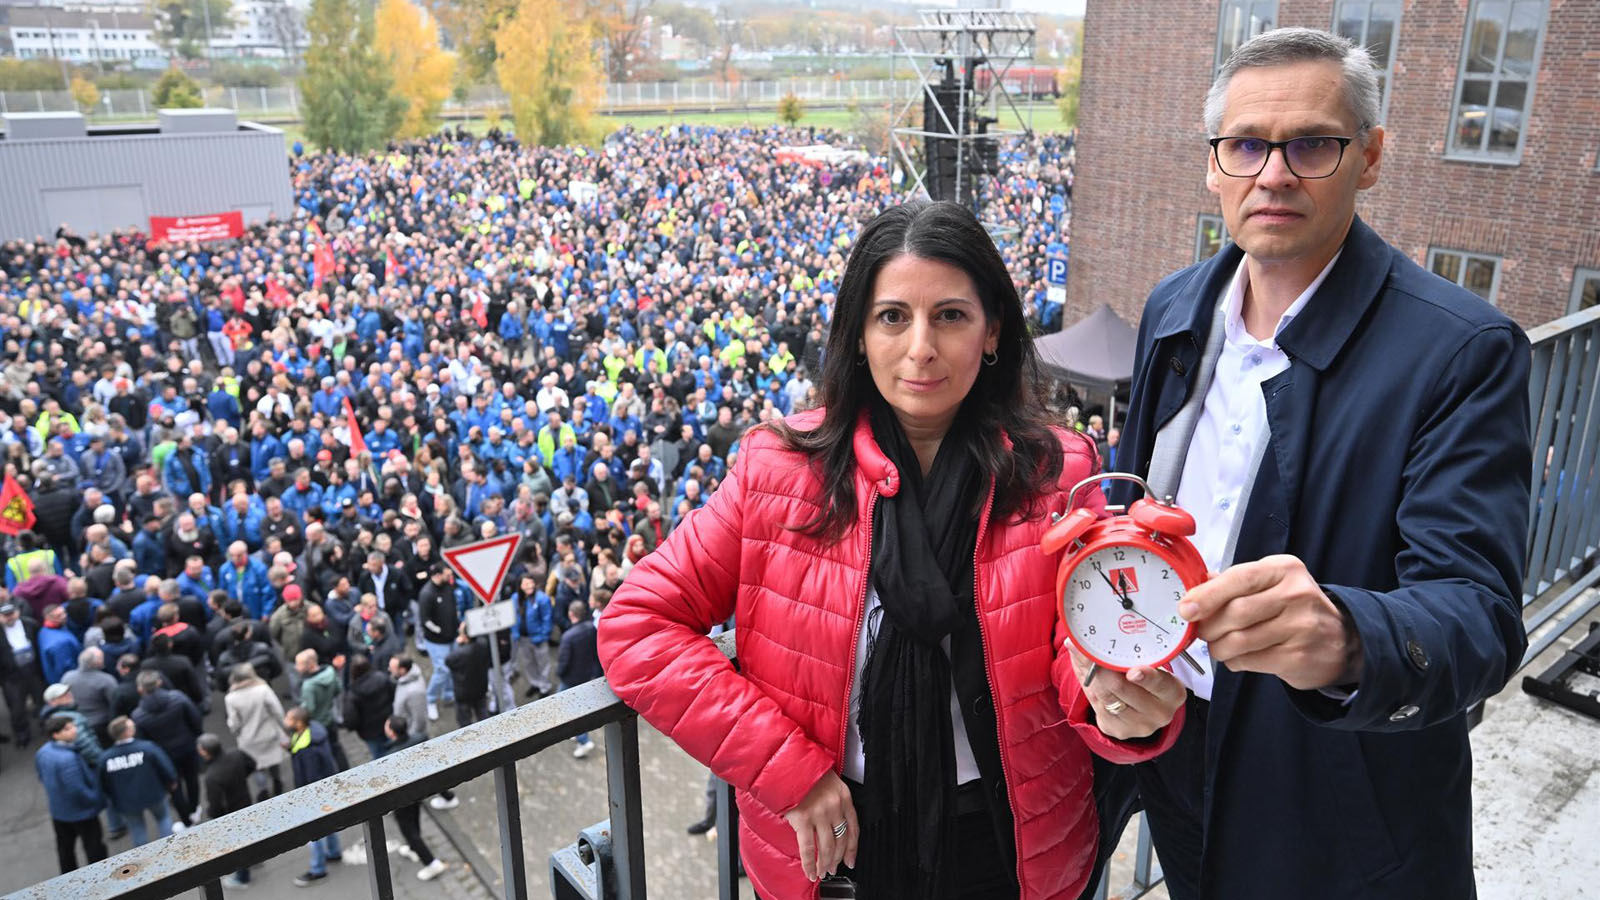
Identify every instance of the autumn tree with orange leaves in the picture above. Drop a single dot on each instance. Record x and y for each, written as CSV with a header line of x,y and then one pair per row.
x,y
409,39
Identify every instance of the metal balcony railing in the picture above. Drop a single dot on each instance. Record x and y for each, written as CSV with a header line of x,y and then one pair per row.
x,y
608,862
1564,510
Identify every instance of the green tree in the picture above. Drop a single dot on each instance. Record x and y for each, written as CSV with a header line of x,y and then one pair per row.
x,y
347,92
182,25
29,74
692,22
472,27
548,67
175,90
1067,81
243,75
790,109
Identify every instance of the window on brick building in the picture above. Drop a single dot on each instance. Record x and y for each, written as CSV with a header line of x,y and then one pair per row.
x,y
1242,20
1494,85
1585,290
1375,25
1477,272
1209,236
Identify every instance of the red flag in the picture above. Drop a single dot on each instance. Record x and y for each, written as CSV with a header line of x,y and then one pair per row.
x,y
321,255
358,444
391,266
16,508
321,264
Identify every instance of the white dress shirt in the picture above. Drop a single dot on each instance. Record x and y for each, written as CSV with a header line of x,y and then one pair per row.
x,y
1231,425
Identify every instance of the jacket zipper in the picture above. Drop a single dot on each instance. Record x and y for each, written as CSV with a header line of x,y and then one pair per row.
x,y
988,672
855,639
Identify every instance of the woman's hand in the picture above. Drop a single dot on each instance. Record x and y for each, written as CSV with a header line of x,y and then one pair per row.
x,y
814,821
1131,705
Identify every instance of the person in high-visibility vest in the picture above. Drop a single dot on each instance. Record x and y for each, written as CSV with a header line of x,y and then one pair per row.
x,y
33,548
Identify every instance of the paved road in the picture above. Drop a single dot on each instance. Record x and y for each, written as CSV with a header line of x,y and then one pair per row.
x,y
28,854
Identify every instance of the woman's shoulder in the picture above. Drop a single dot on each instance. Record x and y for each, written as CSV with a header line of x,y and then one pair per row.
x,y
768,439
768,461
1079,456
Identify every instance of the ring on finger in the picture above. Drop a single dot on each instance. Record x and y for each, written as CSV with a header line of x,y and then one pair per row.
x,y
1115,707
840,829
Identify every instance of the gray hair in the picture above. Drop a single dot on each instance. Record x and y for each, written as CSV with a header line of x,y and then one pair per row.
x,y
1286,46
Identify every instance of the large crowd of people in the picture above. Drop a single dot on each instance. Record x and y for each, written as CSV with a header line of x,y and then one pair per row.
x,y
244,459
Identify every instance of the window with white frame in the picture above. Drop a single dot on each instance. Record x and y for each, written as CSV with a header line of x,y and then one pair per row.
x,y
1242,20
1375,25
1494,84
1585,290
1209,236
1477,272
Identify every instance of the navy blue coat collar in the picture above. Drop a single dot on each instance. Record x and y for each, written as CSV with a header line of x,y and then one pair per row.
x,y
1321,330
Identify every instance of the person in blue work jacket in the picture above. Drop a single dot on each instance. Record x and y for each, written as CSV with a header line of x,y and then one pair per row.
x,y
73,795
136,776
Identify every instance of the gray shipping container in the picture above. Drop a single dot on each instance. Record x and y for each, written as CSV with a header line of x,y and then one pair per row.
x,y
117,178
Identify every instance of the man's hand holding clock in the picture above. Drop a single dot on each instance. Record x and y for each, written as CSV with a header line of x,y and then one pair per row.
x,y
1270,616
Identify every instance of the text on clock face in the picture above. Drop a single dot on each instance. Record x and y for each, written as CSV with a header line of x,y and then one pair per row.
x,y
1121,604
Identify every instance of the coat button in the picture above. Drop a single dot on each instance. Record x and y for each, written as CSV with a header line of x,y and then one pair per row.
x,y
1178,366
1404,713
1419,656
979,705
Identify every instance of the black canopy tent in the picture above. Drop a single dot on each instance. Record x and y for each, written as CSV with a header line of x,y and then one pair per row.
x,y
1094,354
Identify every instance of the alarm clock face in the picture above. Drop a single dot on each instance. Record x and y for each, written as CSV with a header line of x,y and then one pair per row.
x,y
1121,605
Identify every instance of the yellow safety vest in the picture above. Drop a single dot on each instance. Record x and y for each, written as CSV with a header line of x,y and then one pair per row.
x,y
18,565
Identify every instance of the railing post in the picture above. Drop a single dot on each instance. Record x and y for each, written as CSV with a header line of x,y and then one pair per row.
x,y
509,804
211,890
627,819
1142,873
379,879
727,843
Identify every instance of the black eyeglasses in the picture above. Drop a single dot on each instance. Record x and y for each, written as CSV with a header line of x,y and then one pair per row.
x,y
1312,156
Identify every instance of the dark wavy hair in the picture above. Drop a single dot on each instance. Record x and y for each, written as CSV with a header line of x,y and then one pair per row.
x,y
1004,402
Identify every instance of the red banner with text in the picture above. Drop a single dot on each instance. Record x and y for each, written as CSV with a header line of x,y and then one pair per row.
x,y
183,229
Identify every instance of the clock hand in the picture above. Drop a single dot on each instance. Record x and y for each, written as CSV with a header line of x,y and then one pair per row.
x,y
1127,602
1122,596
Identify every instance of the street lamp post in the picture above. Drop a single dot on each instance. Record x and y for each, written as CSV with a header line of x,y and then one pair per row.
x,y
99,52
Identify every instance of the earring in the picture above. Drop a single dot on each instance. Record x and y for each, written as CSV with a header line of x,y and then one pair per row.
x,y
992,357
861,360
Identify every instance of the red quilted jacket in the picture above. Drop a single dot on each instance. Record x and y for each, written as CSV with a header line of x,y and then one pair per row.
x,y
775,726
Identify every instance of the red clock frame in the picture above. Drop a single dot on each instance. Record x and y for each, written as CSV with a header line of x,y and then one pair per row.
x,y
1147,526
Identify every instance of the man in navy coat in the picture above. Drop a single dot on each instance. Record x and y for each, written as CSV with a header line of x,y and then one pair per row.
x,y
1351,433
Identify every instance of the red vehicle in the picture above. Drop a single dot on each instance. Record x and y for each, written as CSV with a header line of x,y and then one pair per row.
x,y
1033,83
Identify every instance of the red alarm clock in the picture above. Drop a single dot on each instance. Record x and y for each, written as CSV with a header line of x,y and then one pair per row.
x,y
1122,577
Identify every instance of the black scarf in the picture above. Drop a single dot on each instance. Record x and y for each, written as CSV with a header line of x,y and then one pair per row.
x,y
922,565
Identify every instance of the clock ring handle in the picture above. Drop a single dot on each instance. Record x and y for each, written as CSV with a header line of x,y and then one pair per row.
x,y
1072,495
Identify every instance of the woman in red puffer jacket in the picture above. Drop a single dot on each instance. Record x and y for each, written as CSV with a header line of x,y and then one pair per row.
x,y
904,712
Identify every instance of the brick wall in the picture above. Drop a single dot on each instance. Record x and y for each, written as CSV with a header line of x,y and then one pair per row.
x,y
1141,155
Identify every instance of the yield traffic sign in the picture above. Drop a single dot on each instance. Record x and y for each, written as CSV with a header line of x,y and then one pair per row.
x,y
483,564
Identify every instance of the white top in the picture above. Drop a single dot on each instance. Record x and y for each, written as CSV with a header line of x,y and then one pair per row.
x,y
18,636
855,759
1233,420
